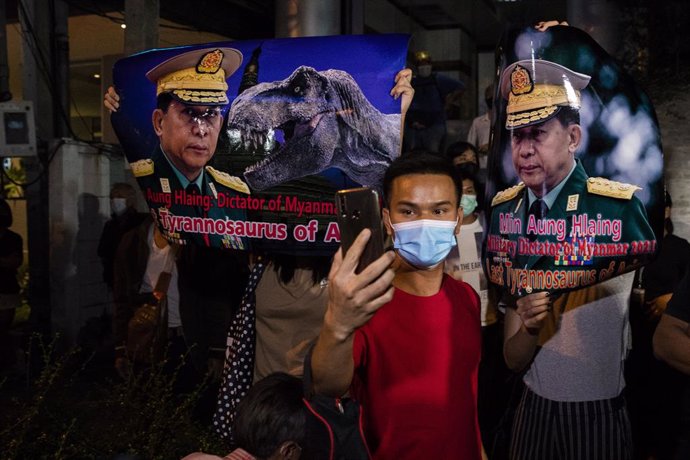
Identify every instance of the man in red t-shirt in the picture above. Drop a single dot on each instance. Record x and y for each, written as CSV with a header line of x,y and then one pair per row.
x,y
401,335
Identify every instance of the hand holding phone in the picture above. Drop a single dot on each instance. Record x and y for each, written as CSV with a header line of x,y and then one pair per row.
x,y
358,208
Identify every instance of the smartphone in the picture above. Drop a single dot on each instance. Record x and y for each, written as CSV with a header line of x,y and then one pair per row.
x,y
358,208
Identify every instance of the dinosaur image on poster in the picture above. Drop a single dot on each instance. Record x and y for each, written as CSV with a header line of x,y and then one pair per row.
x,y
326,121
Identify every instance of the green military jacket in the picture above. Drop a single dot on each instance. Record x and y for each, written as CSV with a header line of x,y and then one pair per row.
x,y
201,219
595,229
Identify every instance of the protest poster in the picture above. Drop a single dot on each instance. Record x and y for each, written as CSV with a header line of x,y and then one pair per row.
x,y
259,136
576,166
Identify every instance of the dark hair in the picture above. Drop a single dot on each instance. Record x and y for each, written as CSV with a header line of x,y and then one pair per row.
x,y
271,414
668,203
5,214
287,264
458,148
419,163
163,101
568,116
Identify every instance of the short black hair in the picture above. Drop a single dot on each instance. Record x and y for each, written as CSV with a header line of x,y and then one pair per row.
x,y
163,101
458,148
568,116
419,163
270,414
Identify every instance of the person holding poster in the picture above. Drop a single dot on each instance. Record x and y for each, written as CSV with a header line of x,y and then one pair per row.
x,y
579,232
190,92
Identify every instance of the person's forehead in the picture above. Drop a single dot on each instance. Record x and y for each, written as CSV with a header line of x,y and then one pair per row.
x,y
410,185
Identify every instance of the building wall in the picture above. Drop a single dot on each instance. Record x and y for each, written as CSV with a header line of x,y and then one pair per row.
x,y
79,207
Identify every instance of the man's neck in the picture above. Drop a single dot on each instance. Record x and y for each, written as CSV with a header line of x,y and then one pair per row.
x,y
417,282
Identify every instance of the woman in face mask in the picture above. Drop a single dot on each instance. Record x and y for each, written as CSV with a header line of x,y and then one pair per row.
x,y
124,218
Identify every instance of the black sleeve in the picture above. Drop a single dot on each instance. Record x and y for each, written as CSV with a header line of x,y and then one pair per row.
x,y
679,305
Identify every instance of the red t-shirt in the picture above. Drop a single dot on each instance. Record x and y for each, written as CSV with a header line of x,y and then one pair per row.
x,y
416,367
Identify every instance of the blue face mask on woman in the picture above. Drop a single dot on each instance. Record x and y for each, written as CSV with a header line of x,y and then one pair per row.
x,y
424,243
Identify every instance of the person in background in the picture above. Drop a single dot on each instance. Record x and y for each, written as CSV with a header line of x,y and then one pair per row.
x,y
465,158
270,423
425,125
464,264
671,343
11,258
654,388
202,296
124,217
480,130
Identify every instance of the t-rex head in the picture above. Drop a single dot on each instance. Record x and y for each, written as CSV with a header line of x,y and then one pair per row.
x,y
311,109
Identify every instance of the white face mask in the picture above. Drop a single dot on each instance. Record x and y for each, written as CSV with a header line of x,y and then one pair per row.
x,y
118,205
424,70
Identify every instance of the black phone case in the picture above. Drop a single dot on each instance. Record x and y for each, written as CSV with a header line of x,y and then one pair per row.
x,y
358,208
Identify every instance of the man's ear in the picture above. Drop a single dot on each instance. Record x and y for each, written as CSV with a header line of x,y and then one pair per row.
x,y
289,450
461,213
574,137
386,216
157,120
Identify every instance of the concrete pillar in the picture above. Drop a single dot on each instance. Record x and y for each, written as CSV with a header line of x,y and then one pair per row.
x,y
599,18
141,17
79,206
45,57
307,18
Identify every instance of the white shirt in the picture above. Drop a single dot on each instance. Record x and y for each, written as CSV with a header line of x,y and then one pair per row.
x,y
154,267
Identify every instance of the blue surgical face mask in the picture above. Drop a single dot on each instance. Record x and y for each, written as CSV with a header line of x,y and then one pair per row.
x,y
468,203
424,243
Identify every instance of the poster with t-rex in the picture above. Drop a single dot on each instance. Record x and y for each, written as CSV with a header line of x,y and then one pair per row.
x,y
576,166
243,144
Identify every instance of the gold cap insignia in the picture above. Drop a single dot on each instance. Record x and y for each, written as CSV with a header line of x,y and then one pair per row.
x,y
210,62
521,81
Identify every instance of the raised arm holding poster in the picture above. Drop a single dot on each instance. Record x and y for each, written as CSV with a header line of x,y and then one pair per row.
x,y
248,156
581,144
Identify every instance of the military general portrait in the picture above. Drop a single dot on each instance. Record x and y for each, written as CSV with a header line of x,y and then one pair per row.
x,y
189,198
558,229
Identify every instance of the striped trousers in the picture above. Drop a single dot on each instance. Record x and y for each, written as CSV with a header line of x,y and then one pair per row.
x,y
588,430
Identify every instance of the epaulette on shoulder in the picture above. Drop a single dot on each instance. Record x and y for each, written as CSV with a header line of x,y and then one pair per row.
x,y
229,181
142,168
613,189
507,194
